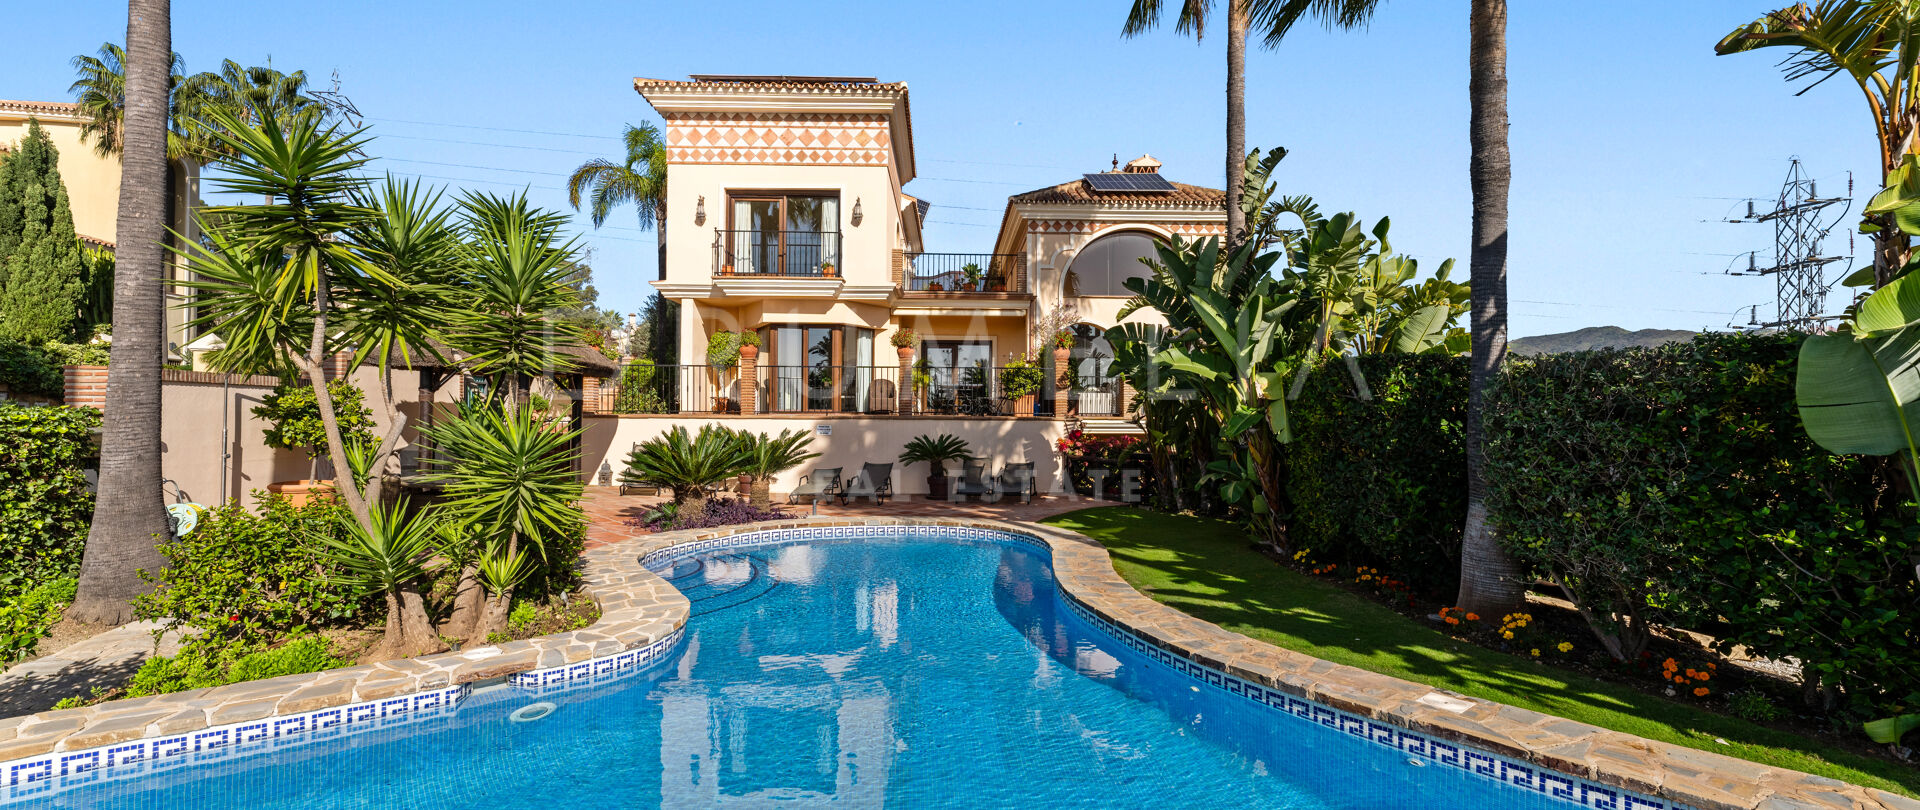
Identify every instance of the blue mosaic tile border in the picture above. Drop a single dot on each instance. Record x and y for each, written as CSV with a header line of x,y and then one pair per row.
x,y
596,671
47,774
1511,773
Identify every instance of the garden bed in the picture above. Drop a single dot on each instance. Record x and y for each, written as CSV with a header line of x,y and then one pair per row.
x,y
1206,569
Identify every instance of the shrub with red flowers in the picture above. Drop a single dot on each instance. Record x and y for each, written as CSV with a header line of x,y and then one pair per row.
x,y
1114,454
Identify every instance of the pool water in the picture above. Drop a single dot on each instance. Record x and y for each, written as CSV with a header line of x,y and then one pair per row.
x,y
907,673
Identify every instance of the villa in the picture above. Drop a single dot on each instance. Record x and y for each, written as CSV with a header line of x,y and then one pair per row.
x,y
790,220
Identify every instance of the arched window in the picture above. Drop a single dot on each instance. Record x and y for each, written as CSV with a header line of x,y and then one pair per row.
x,y
1102,266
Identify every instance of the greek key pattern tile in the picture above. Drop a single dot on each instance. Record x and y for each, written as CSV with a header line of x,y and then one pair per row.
x,y
1519,775
47,774
597,671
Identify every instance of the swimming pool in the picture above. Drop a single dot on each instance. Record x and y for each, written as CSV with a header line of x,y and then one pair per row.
x,y
907,668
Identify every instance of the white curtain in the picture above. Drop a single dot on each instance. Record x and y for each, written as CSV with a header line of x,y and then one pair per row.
x,y
743,239
830,231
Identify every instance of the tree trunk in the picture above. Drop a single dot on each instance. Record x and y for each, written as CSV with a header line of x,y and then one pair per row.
x,y
1489,580
128,511
469,607
409,631
760,493
692,507
1236,122
493,621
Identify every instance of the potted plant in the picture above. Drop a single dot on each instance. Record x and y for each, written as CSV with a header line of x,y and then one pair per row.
x,y
936,287
768,456
723,355
904,341
996,282
828,269
1020,380
293,423
936,451
971,275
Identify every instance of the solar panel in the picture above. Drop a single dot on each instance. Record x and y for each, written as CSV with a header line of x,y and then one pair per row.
x,y
1137,182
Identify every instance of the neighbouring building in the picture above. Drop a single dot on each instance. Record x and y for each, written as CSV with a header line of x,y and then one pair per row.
x,y
93,189
790,220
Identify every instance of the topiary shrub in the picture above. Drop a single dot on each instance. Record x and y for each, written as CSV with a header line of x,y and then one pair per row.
x,y
1382,482
45,500
293,416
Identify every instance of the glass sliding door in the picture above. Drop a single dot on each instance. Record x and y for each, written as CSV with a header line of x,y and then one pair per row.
x,y
820,371
756,236
856,377
789,375
962,376
813,225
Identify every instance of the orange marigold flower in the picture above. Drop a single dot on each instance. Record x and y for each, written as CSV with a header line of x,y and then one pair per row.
x,y
1701,692
1473,617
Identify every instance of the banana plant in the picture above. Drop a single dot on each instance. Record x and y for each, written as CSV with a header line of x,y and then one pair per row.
x,y
1858,387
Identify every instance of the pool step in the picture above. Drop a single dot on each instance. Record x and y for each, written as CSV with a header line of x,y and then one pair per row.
x,y
717,583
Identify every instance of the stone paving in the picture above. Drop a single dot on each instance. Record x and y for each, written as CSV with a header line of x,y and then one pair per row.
x,y
639,608
103,661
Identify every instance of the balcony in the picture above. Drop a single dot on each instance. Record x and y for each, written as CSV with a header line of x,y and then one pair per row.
x,y
871,391
961,275
782,254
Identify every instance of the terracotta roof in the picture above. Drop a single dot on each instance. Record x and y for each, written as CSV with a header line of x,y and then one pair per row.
x,y
1077,191
586,360
802,84
63,109
95,242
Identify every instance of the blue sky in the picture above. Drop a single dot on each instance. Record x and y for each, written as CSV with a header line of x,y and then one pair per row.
x,y
1631,140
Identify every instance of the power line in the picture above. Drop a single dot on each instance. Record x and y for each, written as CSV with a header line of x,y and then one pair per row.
x,y
494,129
1615,306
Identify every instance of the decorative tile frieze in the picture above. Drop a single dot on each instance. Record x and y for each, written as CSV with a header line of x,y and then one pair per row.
x,y
804,139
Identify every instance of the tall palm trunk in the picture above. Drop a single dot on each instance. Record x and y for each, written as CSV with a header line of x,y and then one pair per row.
x,y
128,512
1489,580
1236,123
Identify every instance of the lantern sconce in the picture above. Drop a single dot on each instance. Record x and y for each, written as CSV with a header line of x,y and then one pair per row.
x,y
700,211
856,212
606,474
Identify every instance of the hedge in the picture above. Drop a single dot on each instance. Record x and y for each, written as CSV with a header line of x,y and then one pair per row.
x,y
1675,486
1382,482
45,501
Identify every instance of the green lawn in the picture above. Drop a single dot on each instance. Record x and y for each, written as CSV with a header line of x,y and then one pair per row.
x,y
1205,568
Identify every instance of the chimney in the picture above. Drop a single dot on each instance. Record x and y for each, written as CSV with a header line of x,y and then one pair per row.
x,y
1144,164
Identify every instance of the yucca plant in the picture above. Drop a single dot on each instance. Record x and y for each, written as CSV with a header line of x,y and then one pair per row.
x,y
517,272
768,456
688,463
506,476
391,555
501,570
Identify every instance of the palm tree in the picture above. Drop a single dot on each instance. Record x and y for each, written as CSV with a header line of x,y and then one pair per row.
x,y
128,512
1489,579
101,92
1273,18
641,180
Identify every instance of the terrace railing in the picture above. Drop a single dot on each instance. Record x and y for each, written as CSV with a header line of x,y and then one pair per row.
x,y
848,390
965,272
798,254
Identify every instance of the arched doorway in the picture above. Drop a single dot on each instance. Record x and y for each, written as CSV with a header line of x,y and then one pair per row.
x,y
1092,389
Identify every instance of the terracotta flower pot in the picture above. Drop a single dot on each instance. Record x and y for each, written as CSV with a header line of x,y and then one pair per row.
x,y
299,492
906,353
749,352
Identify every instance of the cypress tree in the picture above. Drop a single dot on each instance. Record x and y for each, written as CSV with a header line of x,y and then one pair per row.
x,y
41,265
